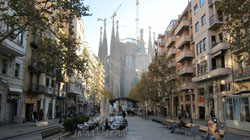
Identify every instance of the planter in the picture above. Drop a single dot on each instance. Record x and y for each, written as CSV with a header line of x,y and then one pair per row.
x,y
42,123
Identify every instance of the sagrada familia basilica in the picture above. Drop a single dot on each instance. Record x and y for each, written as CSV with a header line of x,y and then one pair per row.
x,y
127,60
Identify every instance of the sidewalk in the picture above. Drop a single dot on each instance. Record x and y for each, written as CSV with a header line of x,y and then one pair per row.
x,y
197,122
13,130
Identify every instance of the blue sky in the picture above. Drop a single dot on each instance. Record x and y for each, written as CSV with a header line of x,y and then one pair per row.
x,y
154,13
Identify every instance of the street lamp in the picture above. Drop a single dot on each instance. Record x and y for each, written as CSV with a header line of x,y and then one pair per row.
x,y
191,105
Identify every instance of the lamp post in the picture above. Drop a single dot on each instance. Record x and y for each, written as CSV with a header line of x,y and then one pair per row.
x,y
191,105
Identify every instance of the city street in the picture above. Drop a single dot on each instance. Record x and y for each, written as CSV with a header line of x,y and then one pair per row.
x,y
140,129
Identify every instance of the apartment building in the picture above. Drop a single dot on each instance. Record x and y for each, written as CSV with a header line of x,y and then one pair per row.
x,y
39,86
12,63
185,96
212,63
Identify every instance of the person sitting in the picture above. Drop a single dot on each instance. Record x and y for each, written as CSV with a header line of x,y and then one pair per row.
x,y
180,124
210,135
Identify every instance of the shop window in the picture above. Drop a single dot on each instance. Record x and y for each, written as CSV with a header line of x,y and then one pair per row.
x,y
236,109
244,110
229,109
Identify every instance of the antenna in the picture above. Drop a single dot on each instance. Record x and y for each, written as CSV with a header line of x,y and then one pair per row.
x,y
137,19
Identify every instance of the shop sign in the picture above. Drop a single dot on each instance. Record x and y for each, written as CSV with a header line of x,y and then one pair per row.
x,y
201,102
30,101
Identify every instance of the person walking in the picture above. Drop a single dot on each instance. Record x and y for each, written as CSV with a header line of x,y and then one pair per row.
x,y
34,115
212,114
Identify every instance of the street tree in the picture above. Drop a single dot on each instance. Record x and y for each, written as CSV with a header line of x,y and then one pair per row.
x,y
237,22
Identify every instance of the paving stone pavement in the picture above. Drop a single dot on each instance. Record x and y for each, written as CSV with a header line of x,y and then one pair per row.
x,y
139,129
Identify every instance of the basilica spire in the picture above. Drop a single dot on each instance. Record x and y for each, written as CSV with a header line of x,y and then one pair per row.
x,y
150,47
100,52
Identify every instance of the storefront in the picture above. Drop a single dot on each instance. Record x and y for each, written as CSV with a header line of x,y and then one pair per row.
x,y
237,108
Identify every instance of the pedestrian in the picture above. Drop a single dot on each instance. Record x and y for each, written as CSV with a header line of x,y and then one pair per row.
x,y
123,114
210,135
34,115
212,114
179,114
41,115
180,124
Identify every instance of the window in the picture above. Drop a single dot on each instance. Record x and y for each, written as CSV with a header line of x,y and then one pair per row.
x,y
204,44
225,87
195,9
202,2
198,69
198,48
244,109
47,82
203,20
4,66
229,109
221,37
213,39
201,46
197,27
20,39
17,70
202,68
52,83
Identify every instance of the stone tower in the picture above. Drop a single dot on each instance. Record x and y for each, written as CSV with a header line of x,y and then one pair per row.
x,y
150,46
103,52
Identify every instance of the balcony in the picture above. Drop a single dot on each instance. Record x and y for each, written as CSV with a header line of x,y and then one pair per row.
x,y
185,39
36,88
216,72
187,86
162,42
171,64
183,25
12,48
50,90
183,55
171,52
210,2
170,41
71,88
219,47
185,70
215,21
242,74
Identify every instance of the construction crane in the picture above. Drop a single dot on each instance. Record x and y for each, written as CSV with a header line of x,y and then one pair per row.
x,y
137,19
114,14
104,21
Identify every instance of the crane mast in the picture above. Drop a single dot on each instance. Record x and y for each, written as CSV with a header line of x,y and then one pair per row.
x,y
137,19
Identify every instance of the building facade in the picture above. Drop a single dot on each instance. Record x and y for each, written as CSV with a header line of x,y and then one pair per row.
x,y
12,66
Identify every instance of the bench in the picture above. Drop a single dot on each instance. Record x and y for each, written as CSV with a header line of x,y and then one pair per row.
x,y
53,131
168,123
204,129
186,128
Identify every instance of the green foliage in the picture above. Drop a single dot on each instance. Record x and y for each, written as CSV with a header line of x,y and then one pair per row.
x,y
38,15
70,124
107,94
237,22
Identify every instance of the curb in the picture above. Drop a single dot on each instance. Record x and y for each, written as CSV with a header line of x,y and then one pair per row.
x,y
30,132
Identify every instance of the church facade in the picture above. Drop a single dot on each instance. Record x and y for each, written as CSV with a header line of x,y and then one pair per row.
x,y
128,59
